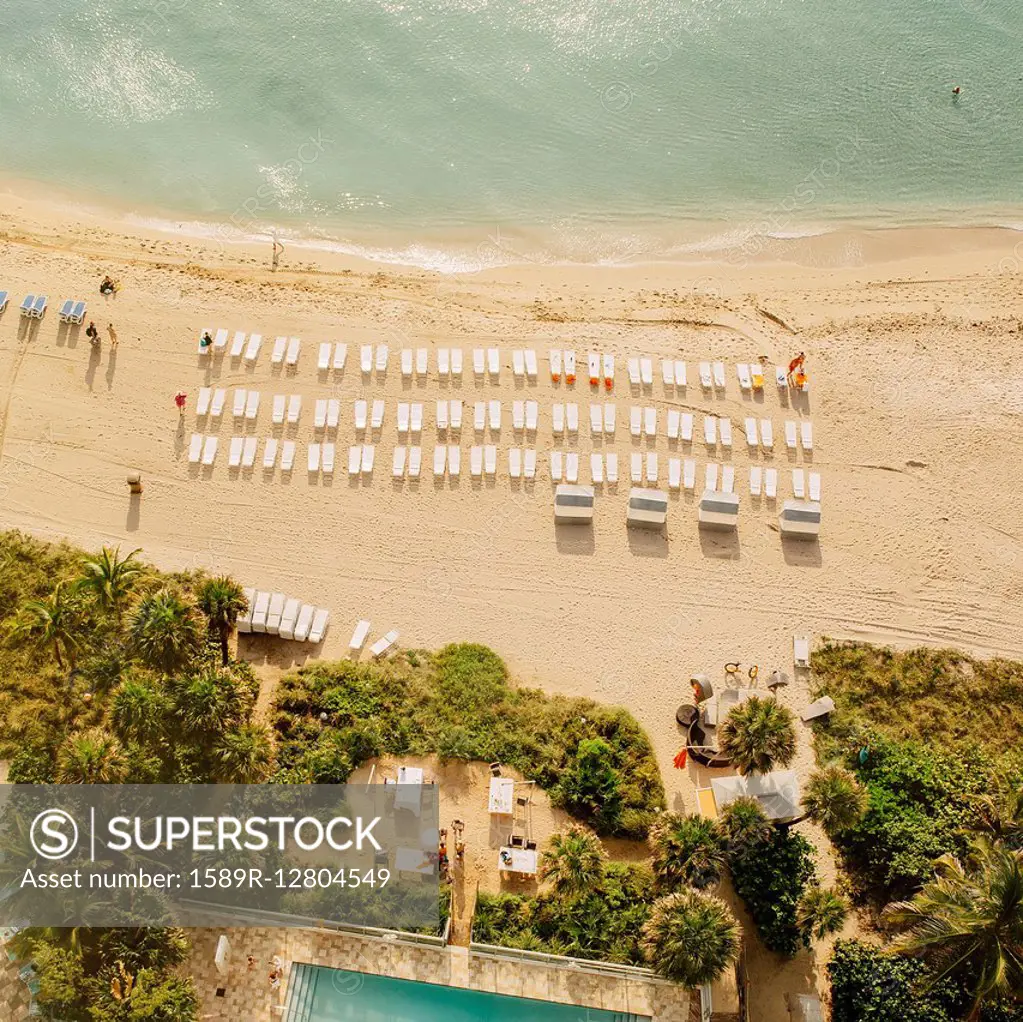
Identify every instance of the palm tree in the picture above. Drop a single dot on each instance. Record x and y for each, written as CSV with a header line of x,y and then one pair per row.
x,y
691,937
820,911
139,710
244,754
206,702
835,799
967,924
743,824
221,599
53,621
1001,815
758,735
91,757
687,851
164,630
573,863
110,578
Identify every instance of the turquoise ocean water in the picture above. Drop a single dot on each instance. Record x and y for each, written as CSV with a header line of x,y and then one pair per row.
x,y
455,133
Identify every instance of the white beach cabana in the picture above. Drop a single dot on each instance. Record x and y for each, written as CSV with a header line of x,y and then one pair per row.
x,y
777,792
718,510
800,519
573,505
502,796
647,508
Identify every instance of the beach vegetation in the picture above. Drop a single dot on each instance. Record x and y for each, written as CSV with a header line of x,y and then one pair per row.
x,y
758,735
835,799
687,851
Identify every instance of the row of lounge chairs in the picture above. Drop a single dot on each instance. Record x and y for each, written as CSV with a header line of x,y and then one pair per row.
x,y
379,648
277,614
32,306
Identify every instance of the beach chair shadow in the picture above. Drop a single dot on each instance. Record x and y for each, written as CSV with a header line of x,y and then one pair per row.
x,y
133,518
720,544
575,540
802,553
647,542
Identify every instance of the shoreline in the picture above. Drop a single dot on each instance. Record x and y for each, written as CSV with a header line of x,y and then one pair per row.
x,y
753,239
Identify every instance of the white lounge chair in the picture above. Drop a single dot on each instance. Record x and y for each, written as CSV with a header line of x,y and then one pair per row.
x,y
376,418
770,483
815,486
650,422
368,452
680,373
238,403
719,375
790,434
319,626
518,415
340,356
806,435
751,432
674,473
705,378
612,467
493,362
727,478
710,477
689,473
518,363
320,414
270,453
234,453
77,316
674,417
755,475
382,645
596,420
766,434
323,359
294,409
422,361
219,342
358,638
530,463
479,416
249,452
572,417
443,362
289,617
260,609
398,462
366,359
478,361
798,483
685,430
801,650
725,432
416,417
554,357
710,430
531,367
593,368
532,416
327,458
359,411
490,459
382,356
355,459
440,457
294,348
277,355
476,461
667,372
558,418
442,415
287,455
415,461
646,371
514,462
633,367
217,405
304,622
556,461
252,349
781,377
65,311
569,357
742,371
572,467
651,466
202,406
609,371
454,460
455,412
313,458
403,413
636,465
597,468
238,344
456,362
195,448
29,300
333,412
635,420
610,418
406,362
495,416
252,405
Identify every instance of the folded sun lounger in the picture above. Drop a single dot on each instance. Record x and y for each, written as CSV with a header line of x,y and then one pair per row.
x,y
554,357
260,609
354,459
442,415
440,457
742,371
252,350
751,432
597,468
217,405
680,373
252,405
382,645
667,372
646,371
270,453
710,430
596,419
287,455
403,413
790,434
495,416
416,415
572,417
456,362
359,415
674,473
610,416
422,361
366,358
651,466
238,404
398,462
376,418
478,361
443,362
650,421
406,362
798,483
455,412
323,360
728,479
367,459
304,622
249,452
382,356
689,473
518,363
327,457
635,420
801,650
558,418
766,434
673,423
294,408
202,406
530,463
556,466
725,432
636,465
705,379
531,368
234,454
719,375
359,635
612,467
710,477
313,458
476,462
518,415
572,467
340,356
685,430
219,342
277,355
490,459
415,462
333,412
532,416
289,616
454,460
493,362
514,462
195,448
238,344
479,416
806,435
294,347
319,626
755,474
770,483
815,486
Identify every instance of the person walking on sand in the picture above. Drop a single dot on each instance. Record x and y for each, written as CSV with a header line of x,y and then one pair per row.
x,y
278,249
179,399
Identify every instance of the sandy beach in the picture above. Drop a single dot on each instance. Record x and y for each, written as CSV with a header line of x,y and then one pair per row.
x,y
915,400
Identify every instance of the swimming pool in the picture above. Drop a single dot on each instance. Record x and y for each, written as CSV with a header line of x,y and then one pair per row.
x,y
317,994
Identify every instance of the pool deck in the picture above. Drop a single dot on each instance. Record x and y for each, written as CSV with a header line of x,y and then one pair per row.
x,y
247,993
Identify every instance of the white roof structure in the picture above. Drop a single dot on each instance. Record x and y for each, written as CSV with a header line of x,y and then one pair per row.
x,y
800,519
573,505
647,508
718,510
777,792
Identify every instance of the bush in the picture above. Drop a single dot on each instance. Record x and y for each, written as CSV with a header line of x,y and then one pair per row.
x,y
771,877
688,851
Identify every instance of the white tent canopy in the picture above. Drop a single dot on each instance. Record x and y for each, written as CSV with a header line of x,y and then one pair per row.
x,y
777,792
718,510
573,505
647,508
800,519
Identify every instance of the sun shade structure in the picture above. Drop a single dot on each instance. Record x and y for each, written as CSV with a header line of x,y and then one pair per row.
x,y
800,519
718,510
777,793
573,505
647,508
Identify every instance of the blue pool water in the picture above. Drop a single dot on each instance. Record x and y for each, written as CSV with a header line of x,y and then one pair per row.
x,y
335,995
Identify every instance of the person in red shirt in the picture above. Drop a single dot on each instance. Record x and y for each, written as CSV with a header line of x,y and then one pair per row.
x,y
179,399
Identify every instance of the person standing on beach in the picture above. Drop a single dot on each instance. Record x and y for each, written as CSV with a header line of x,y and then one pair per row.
x,y
179,399
92,333
278,249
